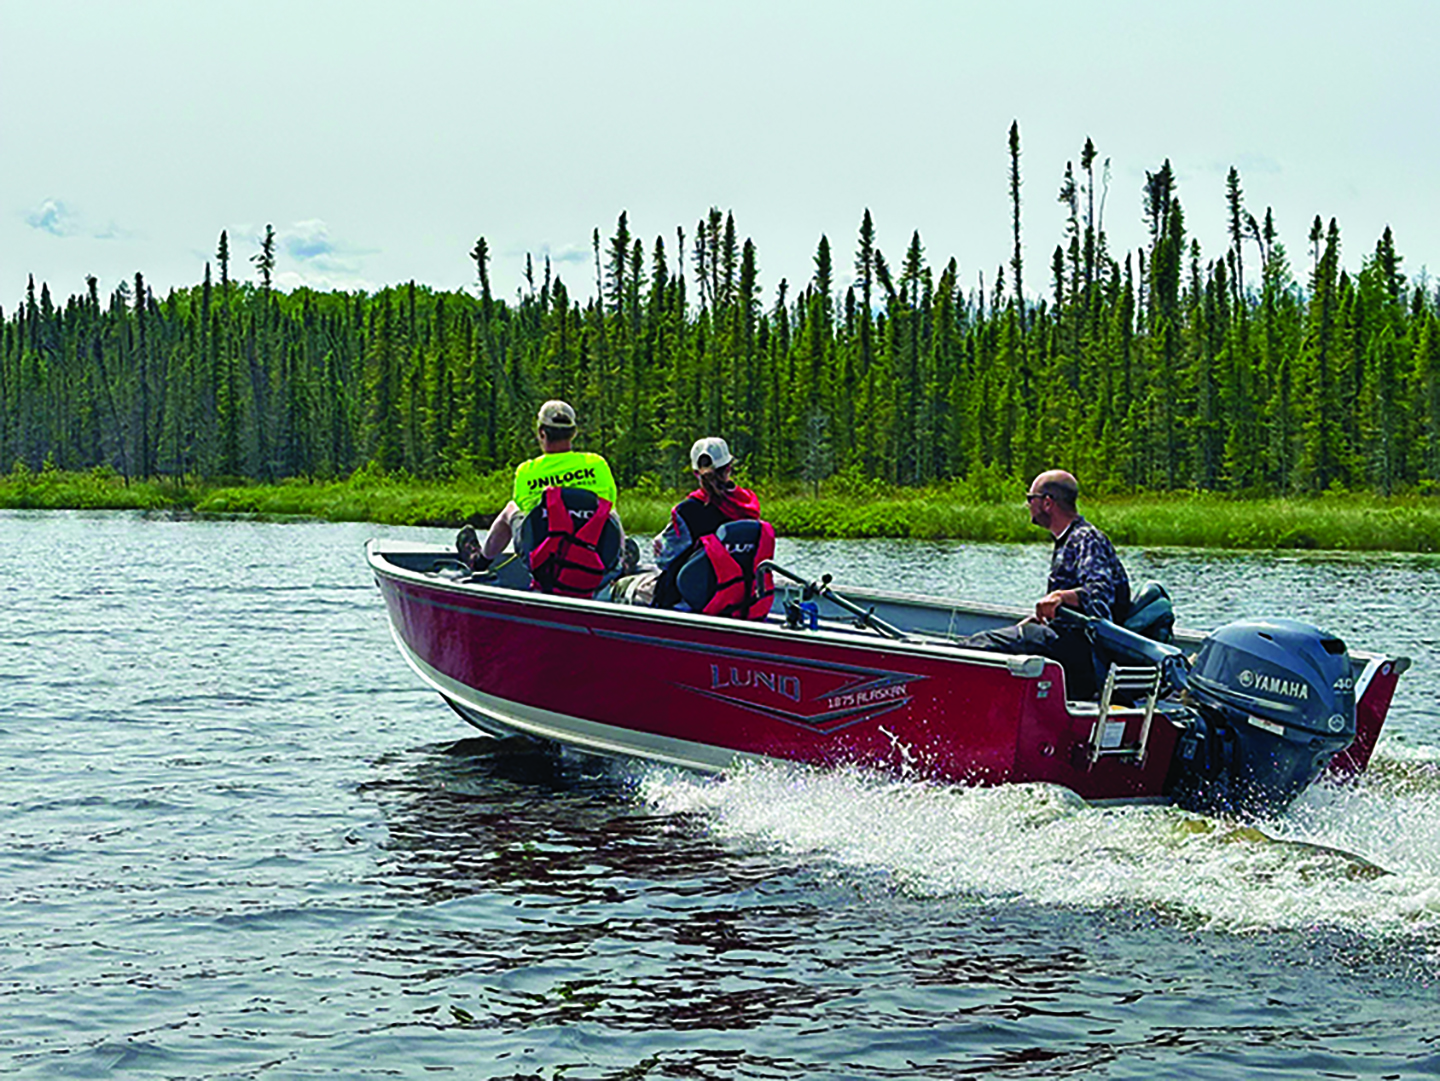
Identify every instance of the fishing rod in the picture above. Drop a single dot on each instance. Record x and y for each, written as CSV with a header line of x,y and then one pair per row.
x,y
864,617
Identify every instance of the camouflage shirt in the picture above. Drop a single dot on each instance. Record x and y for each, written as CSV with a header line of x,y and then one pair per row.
x,y
1084,560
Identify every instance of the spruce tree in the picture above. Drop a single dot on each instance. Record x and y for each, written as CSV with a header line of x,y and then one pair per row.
x,y
1016,261
144,447
1235,203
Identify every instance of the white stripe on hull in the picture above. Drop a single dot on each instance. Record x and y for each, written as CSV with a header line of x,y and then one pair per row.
x,y
515,717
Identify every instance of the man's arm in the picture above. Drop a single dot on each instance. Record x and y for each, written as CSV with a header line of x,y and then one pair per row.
x,y
1052,602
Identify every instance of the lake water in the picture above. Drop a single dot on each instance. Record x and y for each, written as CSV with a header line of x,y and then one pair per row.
x,y
240,840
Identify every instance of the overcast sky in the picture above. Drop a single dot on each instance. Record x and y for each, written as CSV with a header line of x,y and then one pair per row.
x,y
382,139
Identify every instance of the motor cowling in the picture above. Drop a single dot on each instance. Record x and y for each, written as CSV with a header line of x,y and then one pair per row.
x,y
1275,701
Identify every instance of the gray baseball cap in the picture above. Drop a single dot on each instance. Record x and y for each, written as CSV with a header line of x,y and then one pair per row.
x,y
557,414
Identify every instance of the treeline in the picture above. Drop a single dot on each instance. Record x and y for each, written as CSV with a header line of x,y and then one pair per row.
x,y
1154,369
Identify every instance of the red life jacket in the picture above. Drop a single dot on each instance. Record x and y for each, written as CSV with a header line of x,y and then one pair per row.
x,y
739,591
697,516
567,561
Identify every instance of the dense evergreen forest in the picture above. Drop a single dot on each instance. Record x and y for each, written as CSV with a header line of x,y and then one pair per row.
x,y
1154,369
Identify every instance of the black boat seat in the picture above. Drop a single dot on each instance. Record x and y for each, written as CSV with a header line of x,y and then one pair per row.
x,y
749,542
581,504
1151,613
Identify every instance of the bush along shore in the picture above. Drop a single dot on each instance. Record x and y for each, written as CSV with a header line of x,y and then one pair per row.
x,y
839,508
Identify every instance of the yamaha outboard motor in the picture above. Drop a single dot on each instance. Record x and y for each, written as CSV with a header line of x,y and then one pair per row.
x,y
1275,701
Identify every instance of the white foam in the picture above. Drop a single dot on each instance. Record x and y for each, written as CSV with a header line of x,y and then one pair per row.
x,y
1320,864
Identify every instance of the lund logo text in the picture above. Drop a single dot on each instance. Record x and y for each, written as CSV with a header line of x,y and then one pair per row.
x,y
775,682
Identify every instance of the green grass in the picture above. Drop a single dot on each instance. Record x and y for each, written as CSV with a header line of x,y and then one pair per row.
x,y
365,497
844,508
1358,523
99,489
1176,519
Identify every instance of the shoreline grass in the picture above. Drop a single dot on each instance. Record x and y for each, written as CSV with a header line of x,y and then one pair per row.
x,y
844,509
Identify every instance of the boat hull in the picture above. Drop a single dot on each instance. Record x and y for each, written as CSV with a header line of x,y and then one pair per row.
x,y
706,693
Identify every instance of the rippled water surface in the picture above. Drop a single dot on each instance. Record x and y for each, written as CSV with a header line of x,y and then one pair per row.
x,y
240,840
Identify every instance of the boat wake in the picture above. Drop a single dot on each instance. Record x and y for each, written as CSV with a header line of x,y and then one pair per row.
x,y
1364,859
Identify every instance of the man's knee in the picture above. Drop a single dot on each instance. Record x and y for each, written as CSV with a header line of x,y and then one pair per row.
x,y
1016,638
1073,651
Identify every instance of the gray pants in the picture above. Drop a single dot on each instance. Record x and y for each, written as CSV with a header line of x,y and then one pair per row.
x,y
1068,645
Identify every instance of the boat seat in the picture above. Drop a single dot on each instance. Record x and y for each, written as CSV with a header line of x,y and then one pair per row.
x,y
581,505
1151,613
748,542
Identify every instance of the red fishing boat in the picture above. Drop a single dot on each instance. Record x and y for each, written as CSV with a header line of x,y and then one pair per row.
x,y
1241,719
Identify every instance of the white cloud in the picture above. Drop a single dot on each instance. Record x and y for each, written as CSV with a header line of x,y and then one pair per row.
x,y
1249,165
54,217
306,256
289,280
58,218
320,261
568,253
1258,163
309,243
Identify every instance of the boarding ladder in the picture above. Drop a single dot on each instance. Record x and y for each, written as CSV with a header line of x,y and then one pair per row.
x,y
1107,735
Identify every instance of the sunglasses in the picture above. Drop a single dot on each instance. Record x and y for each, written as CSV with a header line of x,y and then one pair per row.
x,y
1029,496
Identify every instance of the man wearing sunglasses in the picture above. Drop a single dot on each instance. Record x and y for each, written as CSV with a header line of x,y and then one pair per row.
x,y
1085,574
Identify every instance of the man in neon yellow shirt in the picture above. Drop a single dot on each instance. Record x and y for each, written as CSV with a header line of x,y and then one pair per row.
x,y
558,466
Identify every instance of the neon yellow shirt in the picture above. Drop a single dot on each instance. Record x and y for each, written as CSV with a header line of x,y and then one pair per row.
x,y
568,469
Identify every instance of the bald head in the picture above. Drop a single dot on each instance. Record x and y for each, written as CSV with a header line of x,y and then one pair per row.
x,y
1051,500
1059,486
